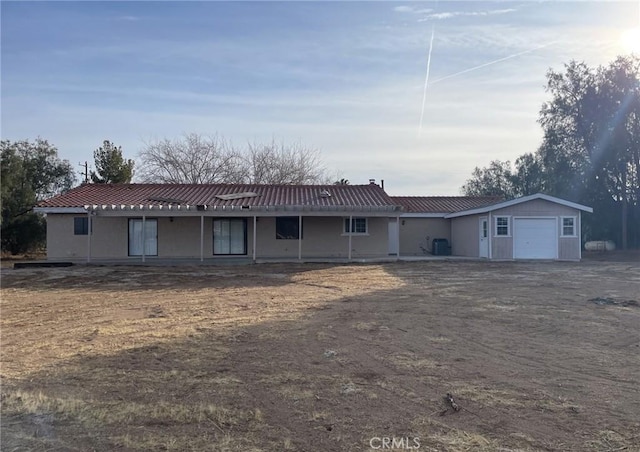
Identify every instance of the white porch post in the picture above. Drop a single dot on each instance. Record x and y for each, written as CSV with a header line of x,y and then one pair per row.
x,y
144,238
299,237
89,227
398,236
350,234
255,240
201,238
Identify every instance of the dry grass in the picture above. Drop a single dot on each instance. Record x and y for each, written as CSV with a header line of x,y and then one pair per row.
x,y
319,357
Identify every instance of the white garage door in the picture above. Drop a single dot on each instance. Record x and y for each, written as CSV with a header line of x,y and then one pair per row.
x,y
535,238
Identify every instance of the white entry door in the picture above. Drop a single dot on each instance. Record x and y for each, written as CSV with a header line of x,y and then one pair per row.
x,y
484,237
138,239
393,236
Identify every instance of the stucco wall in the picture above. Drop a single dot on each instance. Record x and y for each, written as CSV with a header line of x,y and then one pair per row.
x,y
465,234
323,237
62,244
414,233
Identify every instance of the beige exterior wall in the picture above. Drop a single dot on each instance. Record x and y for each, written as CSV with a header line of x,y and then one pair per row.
x,y
537,207
323,237
414,233
63,244
179,237
465,235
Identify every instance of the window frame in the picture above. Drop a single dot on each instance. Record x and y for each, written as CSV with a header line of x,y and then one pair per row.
x,y
299,234
573,226
354,222
84,227
498,226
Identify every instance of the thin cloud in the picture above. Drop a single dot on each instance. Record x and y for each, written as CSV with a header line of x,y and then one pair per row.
x,y
452,14
412,10
129,18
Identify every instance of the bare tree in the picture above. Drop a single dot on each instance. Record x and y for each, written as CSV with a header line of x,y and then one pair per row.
x,y
194,159
275,163
197,160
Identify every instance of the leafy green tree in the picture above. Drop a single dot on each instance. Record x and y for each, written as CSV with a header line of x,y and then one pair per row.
x,y
111,166
494,180
30,172
591,151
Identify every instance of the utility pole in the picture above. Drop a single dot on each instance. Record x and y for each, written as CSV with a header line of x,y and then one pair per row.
x,y
85,173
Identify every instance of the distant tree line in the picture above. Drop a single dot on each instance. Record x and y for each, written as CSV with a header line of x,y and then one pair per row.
x,y
590,152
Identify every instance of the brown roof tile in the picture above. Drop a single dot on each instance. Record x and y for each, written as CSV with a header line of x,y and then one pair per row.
x,y
356,196
443,204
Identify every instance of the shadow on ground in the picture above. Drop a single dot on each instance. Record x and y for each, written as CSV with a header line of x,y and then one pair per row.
x,y
533,364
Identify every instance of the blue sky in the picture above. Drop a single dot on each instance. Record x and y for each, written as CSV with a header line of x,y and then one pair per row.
x,y
346,78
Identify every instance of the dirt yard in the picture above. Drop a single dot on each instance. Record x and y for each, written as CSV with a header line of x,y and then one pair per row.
x,y
318,357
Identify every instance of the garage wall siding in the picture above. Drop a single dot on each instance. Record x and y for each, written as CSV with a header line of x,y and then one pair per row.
x,y
537,207
501,247
414,232
568,247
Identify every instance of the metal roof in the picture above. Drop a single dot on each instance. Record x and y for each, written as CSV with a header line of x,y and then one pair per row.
x,y
443,204
223,196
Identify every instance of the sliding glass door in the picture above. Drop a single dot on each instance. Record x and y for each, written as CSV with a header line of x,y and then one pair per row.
x,y
136,237
230,236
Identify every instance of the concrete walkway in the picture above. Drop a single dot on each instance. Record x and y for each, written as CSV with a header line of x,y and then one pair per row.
x,y
173,262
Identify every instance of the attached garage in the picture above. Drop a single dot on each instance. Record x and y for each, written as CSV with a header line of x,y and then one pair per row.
x,y
535,238
532,227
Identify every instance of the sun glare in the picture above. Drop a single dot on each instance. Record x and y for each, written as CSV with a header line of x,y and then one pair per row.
x,y
630,40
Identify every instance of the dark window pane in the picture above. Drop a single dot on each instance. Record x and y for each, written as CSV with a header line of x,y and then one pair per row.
x,y
80,225
287,228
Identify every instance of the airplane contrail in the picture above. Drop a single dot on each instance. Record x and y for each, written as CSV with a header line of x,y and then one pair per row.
x,y
426,79
446,77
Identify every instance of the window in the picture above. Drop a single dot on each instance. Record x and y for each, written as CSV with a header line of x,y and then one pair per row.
x,y
80,226
568,226
230,236
287,228
502,226
358,226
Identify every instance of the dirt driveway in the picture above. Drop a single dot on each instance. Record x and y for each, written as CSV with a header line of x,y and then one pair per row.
x,y
318,357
